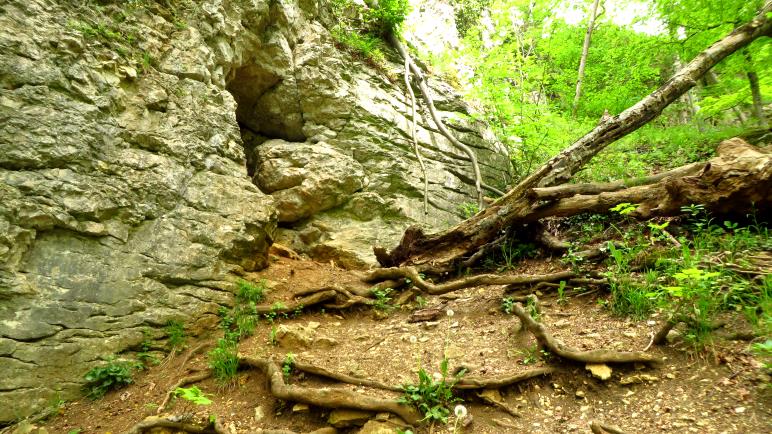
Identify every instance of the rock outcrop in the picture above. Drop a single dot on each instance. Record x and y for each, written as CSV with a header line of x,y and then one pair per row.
x,y
125,200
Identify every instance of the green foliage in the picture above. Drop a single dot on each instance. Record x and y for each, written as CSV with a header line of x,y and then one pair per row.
x,y
224,361
433,397
113,375
382,299
251,292
192,394
287,366
388,15
360,29
624,208
506,305
272,339
144,355
468,209
175,334
763,350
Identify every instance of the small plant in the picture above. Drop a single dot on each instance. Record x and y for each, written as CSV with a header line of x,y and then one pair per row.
x,y
562,292
507,303
421,301
529,355
192,394
533,309
696,302
468,209
382,299
250,292
113,375
433,397
175,333
624,208
272,339
287,366
145,346
224,361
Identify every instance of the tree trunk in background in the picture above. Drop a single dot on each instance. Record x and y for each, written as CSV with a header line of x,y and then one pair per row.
x,y
583,60
753,80
444,250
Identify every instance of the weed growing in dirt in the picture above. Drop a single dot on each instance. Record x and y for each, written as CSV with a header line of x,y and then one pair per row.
x,y
113,375
506,305
421,301
287,366
272,339
175,333
145,346
433,397
382,299
251,292
192,394
224,361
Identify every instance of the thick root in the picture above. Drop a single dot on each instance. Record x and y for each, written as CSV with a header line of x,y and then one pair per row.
x,y
325,397
176,423
595,356
467,282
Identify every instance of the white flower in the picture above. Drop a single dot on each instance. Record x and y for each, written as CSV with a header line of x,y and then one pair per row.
x,y
413,339
450,312
460,411
437,376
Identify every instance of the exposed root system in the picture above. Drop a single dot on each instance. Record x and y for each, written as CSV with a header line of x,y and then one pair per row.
x,y
325,397
595,356
466,282
176,423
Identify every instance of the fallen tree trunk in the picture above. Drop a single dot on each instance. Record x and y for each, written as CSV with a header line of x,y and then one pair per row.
x,y
738,179
442,252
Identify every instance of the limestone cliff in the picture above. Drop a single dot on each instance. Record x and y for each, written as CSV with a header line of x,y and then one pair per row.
x,y
150,149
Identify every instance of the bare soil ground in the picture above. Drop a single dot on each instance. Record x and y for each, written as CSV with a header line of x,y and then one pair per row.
x,y
719,391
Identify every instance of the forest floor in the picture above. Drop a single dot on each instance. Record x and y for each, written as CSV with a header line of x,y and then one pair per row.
x,y
719,390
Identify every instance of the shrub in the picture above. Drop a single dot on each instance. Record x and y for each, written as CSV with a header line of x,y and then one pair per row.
x,y
433,397
113,375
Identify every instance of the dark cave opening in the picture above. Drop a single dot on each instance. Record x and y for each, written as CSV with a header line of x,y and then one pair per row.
x,y
267,108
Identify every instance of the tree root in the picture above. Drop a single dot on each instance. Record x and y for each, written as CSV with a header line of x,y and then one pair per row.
x,y
190,379
498,404
176,423
343,378
480,279
470,383
395,42
595,356
325,397
412,136
602,428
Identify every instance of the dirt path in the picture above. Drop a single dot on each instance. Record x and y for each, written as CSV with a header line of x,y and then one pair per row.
x,y
717,392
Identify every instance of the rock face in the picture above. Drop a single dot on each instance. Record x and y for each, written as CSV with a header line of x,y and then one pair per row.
x,y
125,200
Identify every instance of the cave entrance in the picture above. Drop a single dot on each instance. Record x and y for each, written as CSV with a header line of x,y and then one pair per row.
x,y
268,107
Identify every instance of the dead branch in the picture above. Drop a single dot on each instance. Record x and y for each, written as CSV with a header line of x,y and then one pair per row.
x,y
568,190
176,423
190,379
466,282
558,348
326,397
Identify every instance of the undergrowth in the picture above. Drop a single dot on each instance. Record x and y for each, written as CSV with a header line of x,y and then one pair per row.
x,y
433,395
